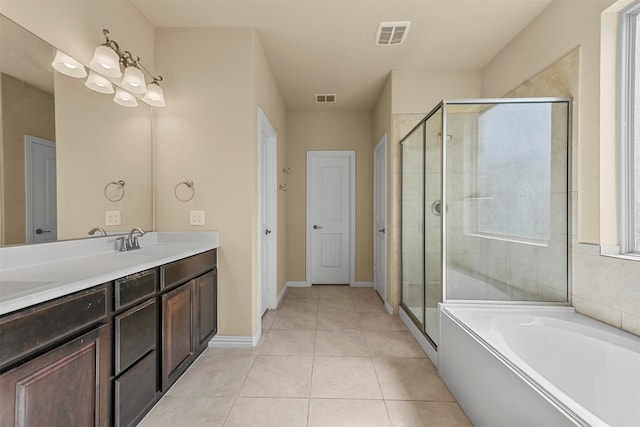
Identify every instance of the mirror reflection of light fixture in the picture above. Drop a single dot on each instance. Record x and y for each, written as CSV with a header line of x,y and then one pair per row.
x,y
124,98
155,94
99,83
66,65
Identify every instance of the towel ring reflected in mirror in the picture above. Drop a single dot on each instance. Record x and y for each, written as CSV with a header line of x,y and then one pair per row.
x,y
119,186
189,185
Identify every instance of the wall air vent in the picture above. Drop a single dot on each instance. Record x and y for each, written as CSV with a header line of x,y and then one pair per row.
x,y
325,98
392,33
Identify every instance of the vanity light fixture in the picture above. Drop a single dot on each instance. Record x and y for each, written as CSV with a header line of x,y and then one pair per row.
x,y
124,98
68,66
109,60
99,83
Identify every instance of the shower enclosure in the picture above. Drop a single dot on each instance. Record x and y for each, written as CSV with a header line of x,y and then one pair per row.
x,y
502,234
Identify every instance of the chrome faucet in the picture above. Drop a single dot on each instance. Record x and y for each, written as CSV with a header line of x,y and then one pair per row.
x,y
131,242
94,230
133,239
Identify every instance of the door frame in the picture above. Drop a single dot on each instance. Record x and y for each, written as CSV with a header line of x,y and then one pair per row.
x,y
380,146
29,141
271,144
351,155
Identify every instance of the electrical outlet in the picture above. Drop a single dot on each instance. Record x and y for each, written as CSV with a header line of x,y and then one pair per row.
x,y
196,217
113,218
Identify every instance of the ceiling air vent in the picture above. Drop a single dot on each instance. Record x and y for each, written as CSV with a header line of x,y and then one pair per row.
x,y
325,98
392,33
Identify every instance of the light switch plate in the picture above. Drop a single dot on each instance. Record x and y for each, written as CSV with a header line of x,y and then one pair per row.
x,y
113,218
196,217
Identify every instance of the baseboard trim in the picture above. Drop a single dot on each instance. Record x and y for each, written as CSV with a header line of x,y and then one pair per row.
x,y
234,341
388,308
297,285
363,285
281,294
422,341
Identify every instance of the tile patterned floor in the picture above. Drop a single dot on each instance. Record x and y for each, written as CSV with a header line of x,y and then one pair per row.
x,y
330,356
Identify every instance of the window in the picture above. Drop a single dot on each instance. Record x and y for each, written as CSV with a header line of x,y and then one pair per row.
x,y
630,127
514,171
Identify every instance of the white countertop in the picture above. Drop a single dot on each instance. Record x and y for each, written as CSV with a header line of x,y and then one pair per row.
x,y
37,273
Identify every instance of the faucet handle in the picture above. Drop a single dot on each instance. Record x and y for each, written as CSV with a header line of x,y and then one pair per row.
x,y
123,243
136,244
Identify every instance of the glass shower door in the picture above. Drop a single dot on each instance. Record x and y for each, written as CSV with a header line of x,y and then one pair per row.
x,y
413,224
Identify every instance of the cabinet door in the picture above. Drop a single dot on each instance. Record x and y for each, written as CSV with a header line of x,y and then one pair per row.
x,y
67,386
206,308
177,332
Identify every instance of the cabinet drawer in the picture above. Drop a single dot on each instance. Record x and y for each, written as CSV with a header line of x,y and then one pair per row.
x,y
188,268
134,288
134,334
27,331
135,391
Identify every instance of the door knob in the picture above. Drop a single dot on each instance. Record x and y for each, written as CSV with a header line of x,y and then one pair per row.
x,y
267,231
381,230
40,231
316,227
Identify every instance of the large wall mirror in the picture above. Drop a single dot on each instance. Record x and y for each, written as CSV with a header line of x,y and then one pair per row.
x,y
69,157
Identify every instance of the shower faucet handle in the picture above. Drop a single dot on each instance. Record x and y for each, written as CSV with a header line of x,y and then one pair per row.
x,y
317,227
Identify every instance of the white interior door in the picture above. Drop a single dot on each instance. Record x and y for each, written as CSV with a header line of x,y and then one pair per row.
x,y
268,213
380,218
330,220
40,190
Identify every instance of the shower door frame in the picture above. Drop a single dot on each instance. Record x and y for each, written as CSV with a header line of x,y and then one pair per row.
x,y
442,105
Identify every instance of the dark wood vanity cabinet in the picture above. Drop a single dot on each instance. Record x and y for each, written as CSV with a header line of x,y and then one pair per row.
x,y
189,312
135,342
104,356
206,294
55,363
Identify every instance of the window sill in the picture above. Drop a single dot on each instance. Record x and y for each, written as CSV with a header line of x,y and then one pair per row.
x,y
614,252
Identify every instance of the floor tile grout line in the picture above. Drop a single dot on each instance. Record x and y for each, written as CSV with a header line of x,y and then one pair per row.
x,y
237,393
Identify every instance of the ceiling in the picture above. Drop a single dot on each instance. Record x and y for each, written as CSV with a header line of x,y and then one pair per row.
x,y
327,46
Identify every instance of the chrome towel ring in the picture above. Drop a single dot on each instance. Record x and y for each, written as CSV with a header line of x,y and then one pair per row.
x,y
120,186
188,184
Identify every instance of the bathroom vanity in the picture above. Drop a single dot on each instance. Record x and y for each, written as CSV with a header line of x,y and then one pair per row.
x,y
103,354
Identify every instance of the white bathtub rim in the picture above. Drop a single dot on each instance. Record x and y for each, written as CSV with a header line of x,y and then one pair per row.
x,y
566,405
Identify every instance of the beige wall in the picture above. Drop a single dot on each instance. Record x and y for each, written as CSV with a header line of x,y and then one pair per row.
x,y
269,99
208,133
99,142
26,111
420,91
339,130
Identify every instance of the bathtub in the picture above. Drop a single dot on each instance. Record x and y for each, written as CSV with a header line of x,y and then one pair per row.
x,y
538,366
